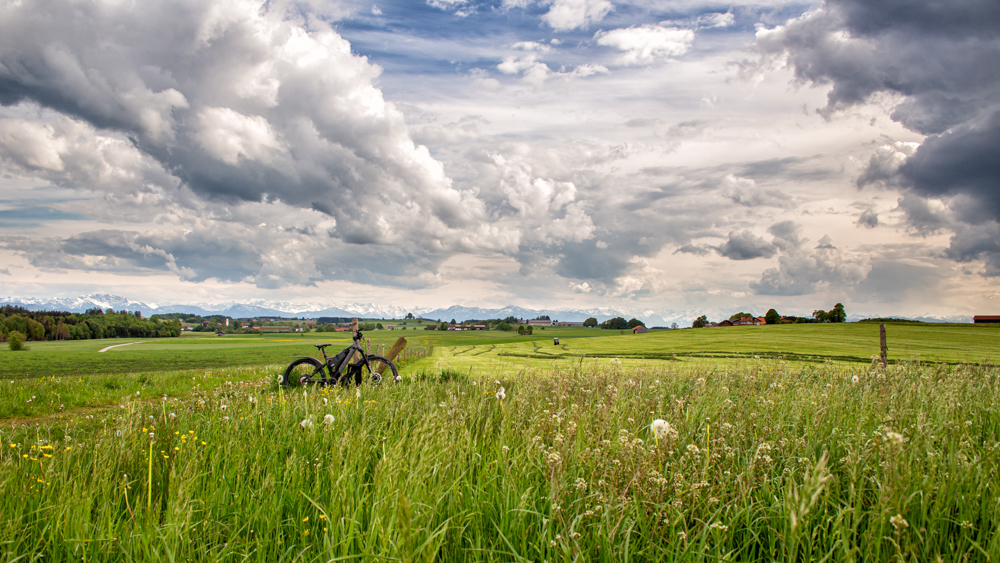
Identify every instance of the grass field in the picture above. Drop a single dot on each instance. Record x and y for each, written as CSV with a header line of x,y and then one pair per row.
x,y
847,342
785,443
762,462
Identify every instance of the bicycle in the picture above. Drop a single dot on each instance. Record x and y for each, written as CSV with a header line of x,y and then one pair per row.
x,y
339,369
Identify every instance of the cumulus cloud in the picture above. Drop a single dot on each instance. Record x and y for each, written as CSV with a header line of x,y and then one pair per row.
x,y
566,15
646,44
802,271
868,219
745,245
240,104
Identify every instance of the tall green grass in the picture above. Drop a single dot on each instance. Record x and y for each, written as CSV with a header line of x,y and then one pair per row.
x,y
763,462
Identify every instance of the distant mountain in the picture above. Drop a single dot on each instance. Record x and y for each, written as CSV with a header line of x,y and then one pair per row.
x,y
262,308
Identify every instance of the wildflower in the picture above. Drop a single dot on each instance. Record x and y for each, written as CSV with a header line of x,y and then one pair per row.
x,y
281,379
306,519
895,437
399,378
899,522
172,415
328,419
501,394
322,516
325,401
222,407
581,484
660,428
306,424
357,393
253,400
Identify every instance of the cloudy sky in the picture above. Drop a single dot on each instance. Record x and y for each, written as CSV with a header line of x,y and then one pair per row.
x,y
675,156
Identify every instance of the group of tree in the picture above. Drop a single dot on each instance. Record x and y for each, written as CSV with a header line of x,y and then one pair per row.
x,y
834,315
21,324
619,323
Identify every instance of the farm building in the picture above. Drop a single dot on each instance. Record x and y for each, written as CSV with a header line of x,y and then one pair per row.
x,y
640,330
986,319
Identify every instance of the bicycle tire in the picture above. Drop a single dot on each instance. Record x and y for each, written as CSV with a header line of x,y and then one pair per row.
x,y
293,374
377,376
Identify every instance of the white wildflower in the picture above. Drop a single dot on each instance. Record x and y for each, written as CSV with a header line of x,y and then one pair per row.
x,y
325,401
501,394
855,380
328,419
306,424
357,393
899,522
223,407
660,428
895,437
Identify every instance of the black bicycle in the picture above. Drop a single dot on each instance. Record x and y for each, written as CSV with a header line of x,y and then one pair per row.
x,y
307,370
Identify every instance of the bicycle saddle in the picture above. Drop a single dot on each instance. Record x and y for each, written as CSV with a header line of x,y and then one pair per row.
x,y
321,346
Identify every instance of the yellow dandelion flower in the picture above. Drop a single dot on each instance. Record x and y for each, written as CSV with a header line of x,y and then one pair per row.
x,y
203,443
13,445
47,455
191,432
322,516
305,533
306,519
176,449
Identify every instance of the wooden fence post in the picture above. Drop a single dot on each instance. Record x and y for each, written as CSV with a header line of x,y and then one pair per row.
x,y
884,357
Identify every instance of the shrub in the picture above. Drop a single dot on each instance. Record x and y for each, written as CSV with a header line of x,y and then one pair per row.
x,y
15,340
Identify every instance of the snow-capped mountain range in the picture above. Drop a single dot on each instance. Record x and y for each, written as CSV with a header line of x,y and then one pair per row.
x,y
262,308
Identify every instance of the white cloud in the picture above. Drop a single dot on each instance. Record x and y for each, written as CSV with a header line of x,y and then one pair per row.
x,y
646,44
565,15
228,135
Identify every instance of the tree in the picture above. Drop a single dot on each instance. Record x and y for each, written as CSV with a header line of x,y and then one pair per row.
x,y
772,317
739,316
821,316
409,315
520,329
590,322
616,323
528,330
673,326
700,322
453,322
634,322
443,326
837,314
504,326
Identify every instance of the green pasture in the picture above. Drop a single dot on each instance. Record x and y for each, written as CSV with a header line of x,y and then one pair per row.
x,y
846,342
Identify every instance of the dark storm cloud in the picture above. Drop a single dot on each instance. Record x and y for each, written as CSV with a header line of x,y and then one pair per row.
x,y
942,58
745,245
978,242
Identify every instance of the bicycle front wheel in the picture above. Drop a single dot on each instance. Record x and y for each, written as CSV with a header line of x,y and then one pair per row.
x,y
382,370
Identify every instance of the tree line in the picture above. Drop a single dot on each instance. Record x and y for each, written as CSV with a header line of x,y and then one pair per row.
x,y
94,323
835,315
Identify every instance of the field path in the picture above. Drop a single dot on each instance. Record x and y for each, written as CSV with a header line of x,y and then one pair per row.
x,y
106,348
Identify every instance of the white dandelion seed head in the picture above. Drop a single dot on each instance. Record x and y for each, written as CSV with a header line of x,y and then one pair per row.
x,y
306,424
325,401
223,407
660,428
328,419
357,393
501,394
855,379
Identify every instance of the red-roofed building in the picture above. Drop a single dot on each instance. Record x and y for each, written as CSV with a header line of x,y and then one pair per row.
x,y
986,319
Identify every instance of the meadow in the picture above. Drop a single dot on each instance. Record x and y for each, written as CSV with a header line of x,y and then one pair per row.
x,y
519,457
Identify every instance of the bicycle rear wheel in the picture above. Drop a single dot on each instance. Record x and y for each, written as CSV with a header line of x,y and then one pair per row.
x,y
303,371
